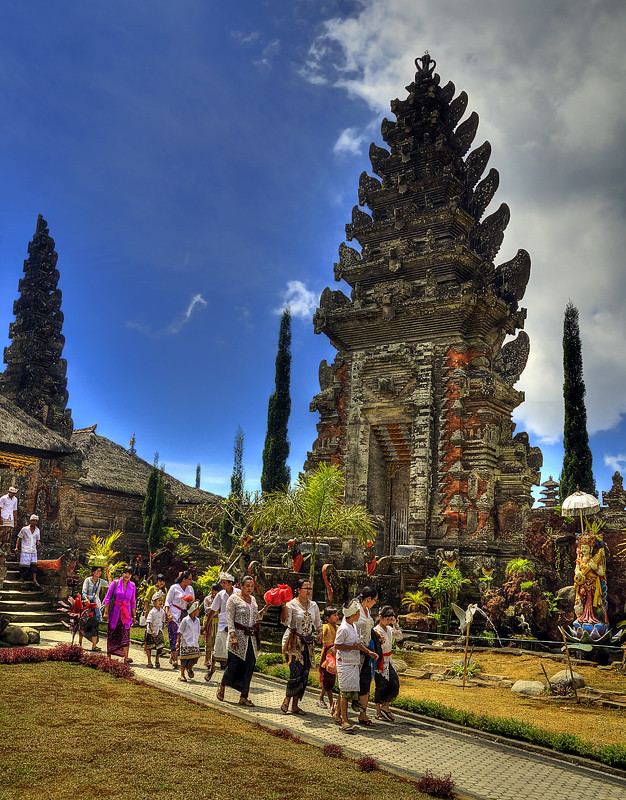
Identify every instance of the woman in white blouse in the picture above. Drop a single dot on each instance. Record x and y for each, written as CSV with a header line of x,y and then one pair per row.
x,y
242,615
364,625
302,618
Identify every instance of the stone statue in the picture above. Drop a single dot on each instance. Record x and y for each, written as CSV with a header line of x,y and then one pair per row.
x,y
590,604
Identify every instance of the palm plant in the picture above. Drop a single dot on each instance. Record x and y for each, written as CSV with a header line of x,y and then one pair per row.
x,y
520,568
313,508
413,601
101,552
444,588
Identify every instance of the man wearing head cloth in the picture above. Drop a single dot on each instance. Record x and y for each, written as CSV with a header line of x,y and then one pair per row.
x,y
218,607
8,515
27,539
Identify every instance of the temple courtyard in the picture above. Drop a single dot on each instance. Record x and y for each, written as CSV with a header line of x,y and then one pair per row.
x,y
111,728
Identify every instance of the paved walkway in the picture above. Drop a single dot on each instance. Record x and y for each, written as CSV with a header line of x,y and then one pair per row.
x,y
482,769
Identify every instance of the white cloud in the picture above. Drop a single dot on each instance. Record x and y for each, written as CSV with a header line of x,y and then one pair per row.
x,y
349,141
302,302
177,324
270,51
618,463
545,79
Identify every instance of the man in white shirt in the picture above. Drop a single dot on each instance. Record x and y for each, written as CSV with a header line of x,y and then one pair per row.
x,y
8,515
27,539
218,607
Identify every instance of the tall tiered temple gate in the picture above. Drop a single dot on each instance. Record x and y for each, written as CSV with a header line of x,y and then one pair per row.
x,y
417,405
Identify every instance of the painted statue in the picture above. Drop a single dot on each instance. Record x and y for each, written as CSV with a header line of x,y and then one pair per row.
x,y
590,604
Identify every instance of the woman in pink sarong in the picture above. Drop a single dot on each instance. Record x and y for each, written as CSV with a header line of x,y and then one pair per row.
x,y
119,607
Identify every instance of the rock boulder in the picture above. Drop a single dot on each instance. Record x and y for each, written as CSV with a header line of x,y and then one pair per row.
x,y
16,636
563,678
531,688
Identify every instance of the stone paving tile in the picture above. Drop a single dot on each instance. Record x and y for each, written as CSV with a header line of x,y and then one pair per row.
x,y
482,769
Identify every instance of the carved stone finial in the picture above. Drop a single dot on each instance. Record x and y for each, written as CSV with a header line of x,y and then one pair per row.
x,y
615,499
425,67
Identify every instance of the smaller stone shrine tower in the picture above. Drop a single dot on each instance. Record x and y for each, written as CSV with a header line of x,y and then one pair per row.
x,y
417,406
35,377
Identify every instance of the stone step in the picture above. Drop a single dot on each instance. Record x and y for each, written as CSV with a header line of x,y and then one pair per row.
x,y
32,618
24,587
8,605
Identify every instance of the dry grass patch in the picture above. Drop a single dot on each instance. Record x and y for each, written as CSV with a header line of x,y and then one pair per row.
x,y
70,732
592,723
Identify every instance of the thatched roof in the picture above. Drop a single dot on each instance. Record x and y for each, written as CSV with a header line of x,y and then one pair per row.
x,y
110,466
19,431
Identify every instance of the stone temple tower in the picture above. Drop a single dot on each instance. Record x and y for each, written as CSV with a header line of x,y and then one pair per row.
x,y
35,376
417,406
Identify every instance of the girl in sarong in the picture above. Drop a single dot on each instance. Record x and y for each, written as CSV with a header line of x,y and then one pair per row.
x,y
328,678
188,641
386,677
302,618
349,650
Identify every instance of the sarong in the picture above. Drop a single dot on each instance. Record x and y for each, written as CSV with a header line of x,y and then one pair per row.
x,y
298,674
386,690
172,632
189,654
238,673
209,639
118,638
327,679
156,642
89,627
220,651
365,676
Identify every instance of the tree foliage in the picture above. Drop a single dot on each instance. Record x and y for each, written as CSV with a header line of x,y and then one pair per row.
x,y
276,473
198,476
577,459
237,481
153,509
444,588
313,508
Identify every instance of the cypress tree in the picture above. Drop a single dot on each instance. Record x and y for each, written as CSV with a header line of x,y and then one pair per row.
x,y
148,504
577,459
155,535
237,480
198,476
276,473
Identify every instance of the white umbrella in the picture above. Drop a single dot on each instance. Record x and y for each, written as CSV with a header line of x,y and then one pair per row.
x,y
582,503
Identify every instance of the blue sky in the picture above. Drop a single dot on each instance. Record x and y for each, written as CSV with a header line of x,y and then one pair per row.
x,y
197,162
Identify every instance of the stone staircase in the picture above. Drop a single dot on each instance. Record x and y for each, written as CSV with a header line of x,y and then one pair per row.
x,y
26,605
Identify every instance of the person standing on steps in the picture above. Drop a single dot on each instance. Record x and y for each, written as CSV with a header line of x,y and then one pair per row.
x,y
8,515
27,540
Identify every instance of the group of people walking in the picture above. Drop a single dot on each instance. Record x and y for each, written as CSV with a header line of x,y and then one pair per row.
x,y
355,652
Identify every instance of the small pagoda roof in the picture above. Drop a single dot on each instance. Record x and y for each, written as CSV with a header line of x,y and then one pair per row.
x,y
111,467
23,433
550,484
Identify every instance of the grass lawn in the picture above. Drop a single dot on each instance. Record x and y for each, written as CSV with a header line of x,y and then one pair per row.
x,y
70,733
592,723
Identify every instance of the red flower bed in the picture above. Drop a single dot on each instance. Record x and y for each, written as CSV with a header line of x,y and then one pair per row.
x,y
66,652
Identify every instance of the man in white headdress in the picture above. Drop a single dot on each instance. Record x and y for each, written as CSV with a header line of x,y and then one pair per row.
x,y
27,540
218,608
8,515
348,647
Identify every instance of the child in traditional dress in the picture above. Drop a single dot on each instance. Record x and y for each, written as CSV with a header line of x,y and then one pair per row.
x,y
154,629
386,677
348,647
188,641
328,677
209,629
